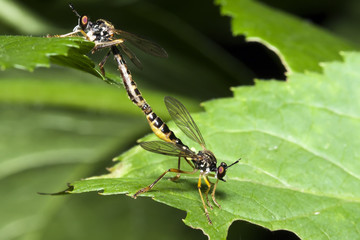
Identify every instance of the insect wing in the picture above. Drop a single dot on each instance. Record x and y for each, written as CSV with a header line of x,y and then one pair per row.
x,y
143,44
131,55
167,148
183,120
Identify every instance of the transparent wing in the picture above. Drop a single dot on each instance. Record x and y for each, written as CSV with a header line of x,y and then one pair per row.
x,y
183,120
131,55
167,148
143,44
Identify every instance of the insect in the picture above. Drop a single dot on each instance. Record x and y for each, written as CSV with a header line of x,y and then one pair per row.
x,y
203,161
104,35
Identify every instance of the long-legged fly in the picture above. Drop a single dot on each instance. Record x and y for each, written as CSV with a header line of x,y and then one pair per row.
x,y
104,35
203,161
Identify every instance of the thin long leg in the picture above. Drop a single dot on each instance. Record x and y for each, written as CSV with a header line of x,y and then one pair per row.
x,y
101,45
208,183
190,163
102,63
177,175
70,34
202,199
75,33
213,194
145,189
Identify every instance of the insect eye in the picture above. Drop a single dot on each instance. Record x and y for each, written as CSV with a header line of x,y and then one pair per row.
x,y
83,21
221,171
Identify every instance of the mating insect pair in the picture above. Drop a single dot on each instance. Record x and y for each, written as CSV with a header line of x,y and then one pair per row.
x,y
102,33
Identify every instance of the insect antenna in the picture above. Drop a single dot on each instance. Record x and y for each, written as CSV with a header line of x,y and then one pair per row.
x,y
233,163
74,11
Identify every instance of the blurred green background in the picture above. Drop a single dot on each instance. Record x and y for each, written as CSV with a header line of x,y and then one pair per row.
x,y
48,139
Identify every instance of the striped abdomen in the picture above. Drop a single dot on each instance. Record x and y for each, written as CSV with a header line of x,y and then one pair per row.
x,y
157,125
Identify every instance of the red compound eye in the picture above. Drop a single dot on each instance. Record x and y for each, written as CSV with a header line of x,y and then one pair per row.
x,y
84,20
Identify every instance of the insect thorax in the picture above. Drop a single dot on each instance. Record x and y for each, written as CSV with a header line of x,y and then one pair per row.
x,y
206,161
100,31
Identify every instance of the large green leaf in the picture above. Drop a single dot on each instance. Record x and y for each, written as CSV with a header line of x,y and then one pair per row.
x,y
300,148
299,44
27,53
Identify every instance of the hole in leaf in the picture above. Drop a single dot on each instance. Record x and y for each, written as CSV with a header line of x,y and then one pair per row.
x,y
249,231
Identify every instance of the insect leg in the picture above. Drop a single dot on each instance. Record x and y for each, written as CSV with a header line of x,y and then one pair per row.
x,y
177,175
208,183
213,194
145,189
102,63
75,33
202,199
190,163
101,45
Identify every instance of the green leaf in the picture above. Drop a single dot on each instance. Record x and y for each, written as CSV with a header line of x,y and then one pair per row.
x,y
299,44
300,169
27,53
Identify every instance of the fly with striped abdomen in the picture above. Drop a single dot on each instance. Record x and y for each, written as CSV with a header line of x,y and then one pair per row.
x,y
104,35
203,161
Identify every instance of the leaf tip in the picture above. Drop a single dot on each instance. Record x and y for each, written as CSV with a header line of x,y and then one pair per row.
x,y
64,192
